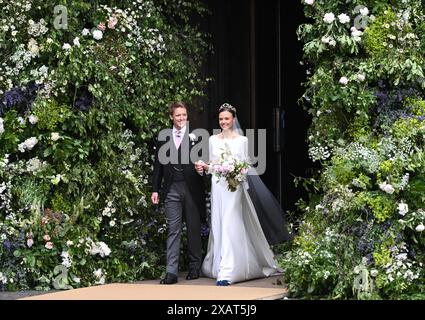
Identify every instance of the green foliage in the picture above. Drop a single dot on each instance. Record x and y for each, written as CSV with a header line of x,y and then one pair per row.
x,y
79,116
377,33
365,94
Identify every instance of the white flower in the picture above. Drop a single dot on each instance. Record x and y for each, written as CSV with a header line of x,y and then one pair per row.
x,y
27,144
420,227
48,245
97,34
356,34
402,208
192,137
76,279
76,41
30,242
69,243
364,11
101,280
103,249
1,126
21,120
388,188
373,272
66,46
54,136
310,2
112,223
329,40
85,32
343,80
98,273
329,17
33,119
343,18
361,77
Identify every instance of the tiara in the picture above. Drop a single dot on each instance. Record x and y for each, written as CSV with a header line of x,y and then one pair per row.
x,y
227,106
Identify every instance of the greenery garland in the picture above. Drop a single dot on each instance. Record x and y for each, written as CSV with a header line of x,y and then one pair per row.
x,y
362,232
84,89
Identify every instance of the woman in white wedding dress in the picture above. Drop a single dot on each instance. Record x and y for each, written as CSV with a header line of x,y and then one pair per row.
x,y
237,247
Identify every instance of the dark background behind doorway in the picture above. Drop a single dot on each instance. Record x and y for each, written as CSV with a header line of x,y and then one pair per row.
x,y
250,72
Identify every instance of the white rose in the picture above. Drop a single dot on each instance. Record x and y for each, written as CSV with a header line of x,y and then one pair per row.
x,y
343,80
55,136
310,2
420,227
76,42
66,46
343,18
192,137
329,17
361,77
33,119
403,208
373,272
85,32
97,34
388,188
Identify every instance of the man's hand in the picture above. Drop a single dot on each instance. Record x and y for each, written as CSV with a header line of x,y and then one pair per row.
x,y
199,167
155,198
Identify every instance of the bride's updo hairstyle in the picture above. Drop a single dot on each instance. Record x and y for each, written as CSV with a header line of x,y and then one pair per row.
x,y
227,107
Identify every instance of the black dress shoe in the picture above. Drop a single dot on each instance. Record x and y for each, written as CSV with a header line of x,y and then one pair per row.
x,y
192,275
170,278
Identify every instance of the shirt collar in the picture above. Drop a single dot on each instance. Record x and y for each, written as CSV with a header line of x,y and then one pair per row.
x,y
182,130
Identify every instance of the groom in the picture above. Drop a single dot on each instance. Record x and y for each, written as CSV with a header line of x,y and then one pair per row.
x,y
183,194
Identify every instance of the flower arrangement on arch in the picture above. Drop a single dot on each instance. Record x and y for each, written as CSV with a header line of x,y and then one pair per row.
x,y
231,168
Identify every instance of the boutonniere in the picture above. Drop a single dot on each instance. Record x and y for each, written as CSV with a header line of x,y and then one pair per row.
x,y
192,138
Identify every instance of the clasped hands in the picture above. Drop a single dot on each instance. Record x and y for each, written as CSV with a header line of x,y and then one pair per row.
x,y
200,166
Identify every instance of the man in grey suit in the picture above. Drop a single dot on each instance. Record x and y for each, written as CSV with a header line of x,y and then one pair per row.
x,y
182,189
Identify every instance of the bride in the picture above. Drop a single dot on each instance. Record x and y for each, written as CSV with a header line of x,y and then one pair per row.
x,y
237,247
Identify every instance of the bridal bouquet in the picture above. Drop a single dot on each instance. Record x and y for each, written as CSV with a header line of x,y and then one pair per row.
x,y
230,168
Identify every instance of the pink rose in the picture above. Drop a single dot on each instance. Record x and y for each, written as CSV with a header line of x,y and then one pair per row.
x,y
48,245
101,26
112,22
46,237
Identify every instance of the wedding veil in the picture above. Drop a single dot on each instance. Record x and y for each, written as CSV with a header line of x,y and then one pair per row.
x,y
269,212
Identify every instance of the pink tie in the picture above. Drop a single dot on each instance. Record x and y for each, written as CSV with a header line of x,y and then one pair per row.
x,y
178,139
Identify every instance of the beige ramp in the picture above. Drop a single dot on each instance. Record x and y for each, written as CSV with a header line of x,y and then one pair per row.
x,y
136,291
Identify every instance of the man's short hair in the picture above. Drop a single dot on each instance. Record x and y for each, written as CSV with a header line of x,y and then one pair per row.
x,y
176,105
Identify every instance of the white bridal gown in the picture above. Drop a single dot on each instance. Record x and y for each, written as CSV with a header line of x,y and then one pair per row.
x,y
237,247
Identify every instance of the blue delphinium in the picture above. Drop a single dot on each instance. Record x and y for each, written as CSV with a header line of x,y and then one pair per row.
x,y
19,98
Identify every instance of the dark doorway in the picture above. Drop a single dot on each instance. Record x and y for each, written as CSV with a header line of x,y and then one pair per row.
x,y
256,67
